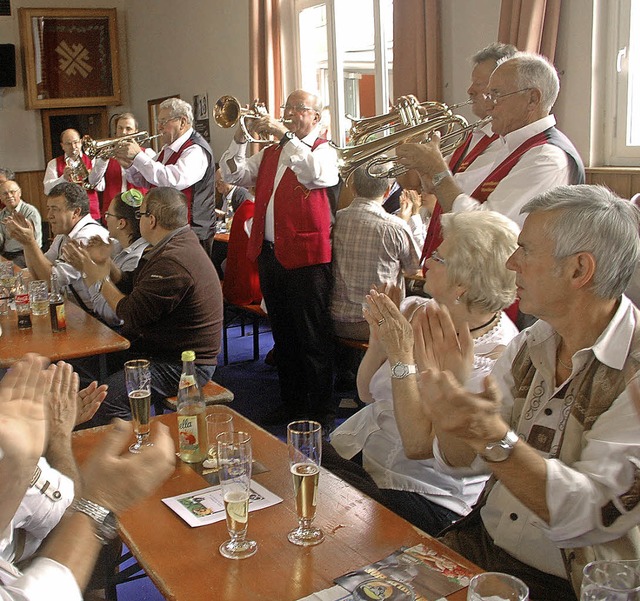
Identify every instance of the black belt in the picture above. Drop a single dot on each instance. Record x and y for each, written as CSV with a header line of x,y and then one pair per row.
x,y
11,255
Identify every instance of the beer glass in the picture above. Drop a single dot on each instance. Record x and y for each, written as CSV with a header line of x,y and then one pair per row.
x,y
218,421
137,376
39,297
7,276
304,439
611,581
234,465
496,586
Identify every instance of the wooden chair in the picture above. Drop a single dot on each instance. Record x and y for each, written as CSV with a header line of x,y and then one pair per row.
x,y
252,312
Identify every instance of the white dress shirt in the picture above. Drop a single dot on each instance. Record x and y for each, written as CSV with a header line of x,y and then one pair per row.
x,y
538,170
52,179
96,175
313,169
187,170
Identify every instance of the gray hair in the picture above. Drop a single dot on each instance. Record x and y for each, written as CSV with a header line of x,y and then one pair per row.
x,y
481,243
535,71
74,195
168,206
8,173
595,220
494,52
370,187
178,108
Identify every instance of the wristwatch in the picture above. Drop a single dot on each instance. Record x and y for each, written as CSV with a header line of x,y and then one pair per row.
x,y
107,524
438,177
495,452
402,370
286,137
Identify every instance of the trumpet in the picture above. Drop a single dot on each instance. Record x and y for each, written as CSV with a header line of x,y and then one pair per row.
x,y
407,112
106,149
454,129
228,112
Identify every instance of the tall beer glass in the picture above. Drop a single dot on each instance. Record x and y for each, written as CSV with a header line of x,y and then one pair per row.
x,y
304,439
234,465
137,376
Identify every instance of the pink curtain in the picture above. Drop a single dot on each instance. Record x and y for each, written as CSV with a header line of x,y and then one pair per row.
x,y
530,25
417,49
264,54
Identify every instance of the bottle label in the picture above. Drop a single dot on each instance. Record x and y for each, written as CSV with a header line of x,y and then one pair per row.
x,y
61,316
188,432
186,381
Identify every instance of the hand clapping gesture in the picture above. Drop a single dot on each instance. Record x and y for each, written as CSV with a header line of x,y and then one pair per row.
x,y
386,324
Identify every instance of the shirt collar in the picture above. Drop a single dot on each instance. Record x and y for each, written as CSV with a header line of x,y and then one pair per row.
x,y
80,224
311,137
177,144
157,247
515,138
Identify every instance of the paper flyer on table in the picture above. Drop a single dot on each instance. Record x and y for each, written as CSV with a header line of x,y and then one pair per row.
x,y
205,506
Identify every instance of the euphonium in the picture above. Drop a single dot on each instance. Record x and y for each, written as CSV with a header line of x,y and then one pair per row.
x,y
79,172
106,149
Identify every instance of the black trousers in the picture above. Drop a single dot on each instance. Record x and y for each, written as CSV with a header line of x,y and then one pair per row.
x,y
298,303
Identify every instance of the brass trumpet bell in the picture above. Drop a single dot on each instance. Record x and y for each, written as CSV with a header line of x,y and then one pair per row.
x,y
227,112
106,149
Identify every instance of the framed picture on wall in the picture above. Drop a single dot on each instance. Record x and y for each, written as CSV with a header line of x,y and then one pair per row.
x,y
70,57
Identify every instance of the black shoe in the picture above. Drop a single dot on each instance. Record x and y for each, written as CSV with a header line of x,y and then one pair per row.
x,y
278,416
270,358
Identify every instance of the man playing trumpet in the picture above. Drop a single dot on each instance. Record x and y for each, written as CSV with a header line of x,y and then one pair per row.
x,y
290,240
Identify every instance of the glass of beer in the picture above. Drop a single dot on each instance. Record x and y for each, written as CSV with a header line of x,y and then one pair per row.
x,y
234,471
137,376
304,439
39,297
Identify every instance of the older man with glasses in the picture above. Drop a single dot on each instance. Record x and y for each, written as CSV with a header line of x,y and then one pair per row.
x,y
530,156
290,239
11,197
185,162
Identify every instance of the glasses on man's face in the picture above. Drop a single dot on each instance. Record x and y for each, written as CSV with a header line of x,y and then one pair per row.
x,y
8,193
437,257
296,108
140,214
163,122
493,97
107,214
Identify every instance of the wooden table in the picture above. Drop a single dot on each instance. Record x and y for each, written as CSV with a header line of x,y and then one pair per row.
x,y
85,336
184,562
221,237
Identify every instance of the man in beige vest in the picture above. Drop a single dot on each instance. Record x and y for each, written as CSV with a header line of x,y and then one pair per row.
x,y
557,425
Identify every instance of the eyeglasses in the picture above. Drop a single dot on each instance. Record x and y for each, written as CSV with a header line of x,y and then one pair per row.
x,y
437,257
107,214
141,213
163,122
493,97
8,193
298,108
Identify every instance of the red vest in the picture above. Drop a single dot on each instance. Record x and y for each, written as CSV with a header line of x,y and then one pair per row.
x,y
173,159
113,184
302,217
94,202
241,285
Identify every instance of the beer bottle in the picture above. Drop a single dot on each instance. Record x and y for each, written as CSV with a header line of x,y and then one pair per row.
x,y
192,426
56,306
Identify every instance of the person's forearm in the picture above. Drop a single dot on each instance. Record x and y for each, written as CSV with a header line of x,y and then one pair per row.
x,y
416,429
114,272
37,263
111,294
74,544
59,454
446,192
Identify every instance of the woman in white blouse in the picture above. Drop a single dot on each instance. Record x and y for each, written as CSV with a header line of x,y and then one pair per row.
x,y
466,274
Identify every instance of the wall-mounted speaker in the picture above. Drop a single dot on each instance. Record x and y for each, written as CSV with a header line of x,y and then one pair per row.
x,y
7,66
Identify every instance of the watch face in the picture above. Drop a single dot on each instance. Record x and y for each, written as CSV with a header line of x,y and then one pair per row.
x,y
110,526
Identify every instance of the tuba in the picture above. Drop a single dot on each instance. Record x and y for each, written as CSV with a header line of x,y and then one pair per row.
x,y
227,112
106,149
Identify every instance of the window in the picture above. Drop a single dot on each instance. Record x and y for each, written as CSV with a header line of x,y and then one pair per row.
x,y
344,50
623,101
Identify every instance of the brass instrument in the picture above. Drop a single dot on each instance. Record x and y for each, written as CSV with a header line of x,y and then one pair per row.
x,y
453,128
106,149
227,112
407,112
79,172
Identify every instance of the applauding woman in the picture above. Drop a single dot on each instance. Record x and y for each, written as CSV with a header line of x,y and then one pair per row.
x,y
466,276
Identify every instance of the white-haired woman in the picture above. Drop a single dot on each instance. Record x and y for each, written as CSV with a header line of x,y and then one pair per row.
x,y
467,275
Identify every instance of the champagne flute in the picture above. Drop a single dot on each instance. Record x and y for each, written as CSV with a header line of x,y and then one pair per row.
x,y
611,581
137,376
304,439
234,464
